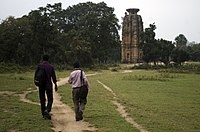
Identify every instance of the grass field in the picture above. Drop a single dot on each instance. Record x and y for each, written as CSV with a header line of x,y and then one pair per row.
x,y
14,114
159,101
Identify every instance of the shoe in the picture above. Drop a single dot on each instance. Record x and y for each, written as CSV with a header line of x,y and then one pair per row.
x,y
47,116
80,116
79,119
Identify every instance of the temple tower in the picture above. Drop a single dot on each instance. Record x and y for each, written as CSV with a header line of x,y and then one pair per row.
x,y
132,27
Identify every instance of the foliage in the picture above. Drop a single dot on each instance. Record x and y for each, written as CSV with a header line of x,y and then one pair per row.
x,y
181,40
163,76
14,68
14,41
87,32
194,52
149,45
97,26
165,50
180,55
185,68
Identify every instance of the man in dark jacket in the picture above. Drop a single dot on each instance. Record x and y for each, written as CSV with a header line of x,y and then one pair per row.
x,y
47,88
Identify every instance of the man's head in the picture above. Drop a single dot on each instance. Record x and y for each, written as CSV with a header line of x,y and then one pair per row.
x,y
76,65
45,57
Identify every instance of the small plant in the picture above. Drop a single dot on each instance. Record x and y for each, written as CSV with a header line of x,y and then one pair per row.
x,y
114,69
21,78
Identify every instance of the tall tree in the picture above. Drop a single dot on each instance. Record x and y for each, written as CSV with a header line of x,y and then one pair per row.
x,y
97,25
86,31
165,49
181,40
23,54
15,38
8,40
44,33
149,45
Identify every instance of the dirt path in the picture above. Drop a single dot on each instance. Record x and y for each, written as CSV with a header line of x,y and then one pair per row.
x,y
121,109
63,116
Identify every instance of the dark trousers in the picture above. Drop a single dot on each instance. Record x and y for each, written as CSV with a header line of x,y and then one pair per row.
x,y
49,93
79,103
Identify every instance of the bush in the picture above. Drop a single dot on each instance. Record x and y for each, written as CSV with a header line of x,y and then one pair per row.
x,y
185,68
13,68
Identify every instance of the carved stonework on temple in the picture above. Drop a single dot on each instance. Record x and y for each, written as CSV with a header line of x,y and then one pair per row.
x,y
132,27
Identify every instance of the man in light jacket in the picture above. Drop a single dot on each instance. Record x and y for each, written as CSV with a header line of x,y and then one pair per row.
x,y
77,79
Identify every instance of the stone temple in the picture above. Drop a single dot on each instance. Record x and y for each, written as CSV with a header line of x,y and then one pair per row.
x,y
132,27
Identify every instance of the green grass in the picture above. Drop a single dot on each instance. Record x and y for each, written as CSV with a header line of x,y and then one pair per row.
x,y
159,101
16,115
99,110
158,105
16,82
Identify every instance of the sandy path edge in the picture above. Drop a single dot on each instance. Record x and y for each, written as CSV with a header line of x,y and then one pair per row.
x,y
63,117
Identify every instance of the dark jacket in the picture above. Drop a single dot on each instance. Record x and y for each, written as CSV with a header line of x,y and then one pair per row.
x,y
50,73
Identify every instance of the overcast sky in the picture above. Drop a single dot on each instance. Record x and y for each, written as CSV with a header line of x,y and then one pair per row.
x,y
171,17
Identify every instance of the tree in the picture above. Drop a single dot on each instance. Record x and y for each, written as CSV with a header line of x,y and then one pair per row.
x,y
23,55
15,38
86,31
97,25
180,55
165,50
9,37
78,49
149,45
194,51
181,40
44,33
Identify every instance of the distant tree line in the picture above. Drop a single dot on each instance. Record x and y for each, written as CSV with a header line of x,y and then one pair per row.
x,y
160,50
87,32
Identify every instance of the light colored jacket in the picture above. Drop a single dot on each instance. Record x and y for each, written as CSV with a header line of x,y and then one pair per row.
x,y
75,78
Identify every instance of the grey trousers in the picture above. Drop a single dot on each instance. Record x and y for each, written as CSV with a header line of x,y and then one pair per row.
x,y
79,103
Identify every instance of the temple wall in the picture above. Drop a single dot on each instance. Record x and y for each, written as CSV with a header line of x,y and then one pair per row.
x,y
132,27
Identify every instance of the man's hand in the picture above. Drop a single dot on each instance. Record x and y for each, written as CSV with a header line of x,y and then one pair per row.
x,y
56,87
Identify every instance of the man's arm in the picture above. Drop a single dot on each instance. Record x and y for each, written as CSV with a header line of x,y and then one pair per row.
x,y
70,80
54,79
85,79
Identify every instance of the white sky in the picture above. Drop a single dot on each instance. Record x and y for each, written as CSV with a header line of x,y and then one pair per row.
x,y
171,17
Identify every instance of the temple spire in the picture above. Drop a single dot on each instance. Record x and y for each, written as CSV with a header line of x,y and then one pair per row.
x,y
132,27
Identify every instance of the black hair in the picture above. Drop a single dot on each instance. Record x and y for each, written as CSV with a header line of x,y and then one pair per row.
x,y
45,57
76,65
